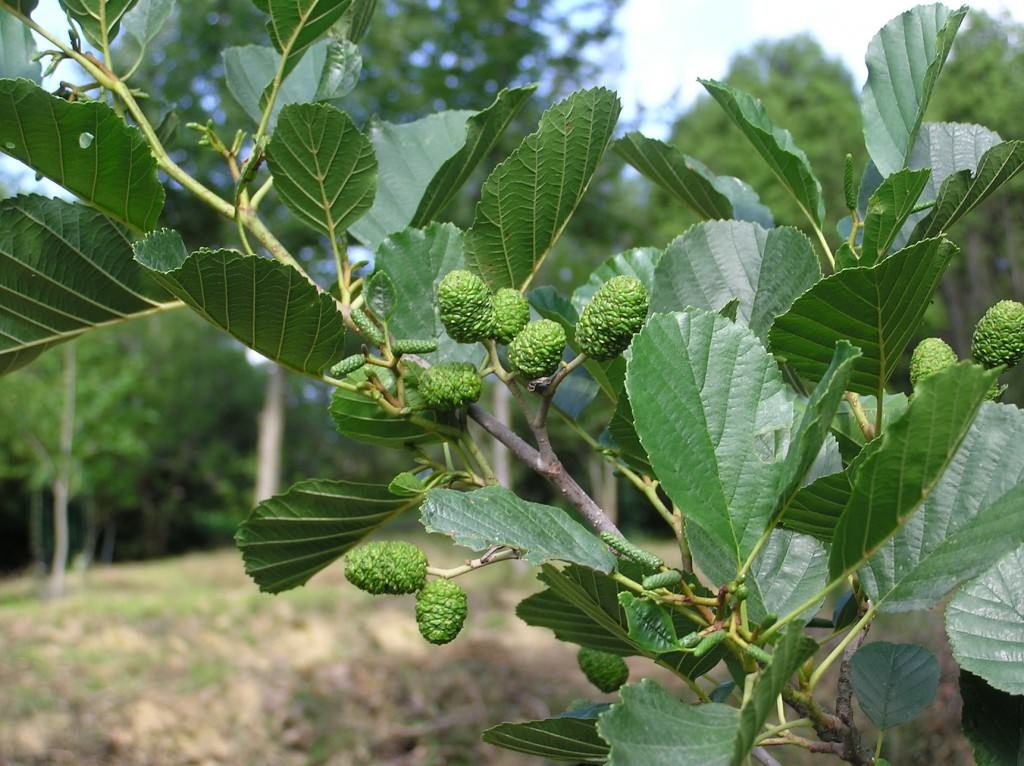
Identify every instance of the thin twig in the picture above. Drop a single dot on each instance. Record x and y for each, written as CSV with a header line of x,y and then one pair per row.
x,y
543,461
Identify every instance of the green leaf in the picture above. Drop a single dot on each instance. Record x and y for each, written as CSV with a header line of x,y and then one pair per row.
x,y
729,406
17,47
323,167
640,262
877,308
85,147
991,721
360,418
892,482
947,148
974,515
894,683
22,6
528,199
342,66
786,572
650,624
416,260
985,623
290,537
775,145
790,653
904,60
328,71
496,516
963,190
358,17
672,171
810,434
571,736
622,432
888,209
483,130
146,19
650,727
716,262
294,25
64,269
99,19
381,295
848,433
268,306
582,607
424,163
407,484
691,182
816,509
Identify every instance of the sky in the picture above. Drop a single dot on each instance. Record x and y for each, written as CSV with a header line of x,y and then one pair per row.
x,y
668,44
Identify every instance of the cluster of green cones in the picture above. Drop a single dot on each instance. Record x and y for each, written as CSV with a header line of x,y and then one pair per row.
x,y
998,341
399,568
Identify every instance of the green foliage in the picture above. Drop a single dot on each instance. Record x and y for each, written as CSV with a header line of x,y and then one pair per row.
x,y
741,379
392,567
322,166
536,351
70,144
894,683
607,672
441,608
904,61
494,516
571,737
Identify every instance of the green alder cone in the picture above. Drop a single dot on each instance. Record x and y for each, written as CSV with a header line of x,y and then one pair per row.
x,y
511,314
413,346
536,352
440,610
466,307
608,672
999,335
449,386
613,316
387,567
931,355
348,365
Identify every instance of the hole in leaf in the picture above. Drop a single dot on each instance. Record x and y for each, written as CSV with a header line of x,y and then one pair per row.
x,y
85,140
10,145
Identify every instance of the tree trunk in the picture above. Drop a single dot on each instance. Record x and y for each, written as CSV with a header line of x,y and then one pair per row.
x,y
501,458
271,435
35,536
610,492
92,529
604,486
62,479
109,537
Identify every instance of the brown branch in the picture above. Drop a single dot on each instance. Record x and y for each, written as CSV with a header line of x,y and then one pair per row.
x,y
844,692
545,463
837,737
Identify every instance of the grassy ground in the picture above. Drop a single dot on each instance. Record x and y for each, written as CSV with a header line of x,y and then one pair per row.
x,y
184,662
